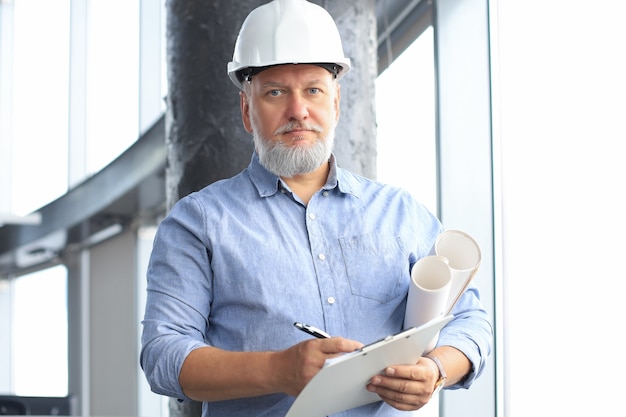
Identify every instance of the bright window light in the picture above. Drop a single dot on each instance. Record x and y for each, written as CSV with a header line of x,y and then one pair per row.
x,y
40,334
405,114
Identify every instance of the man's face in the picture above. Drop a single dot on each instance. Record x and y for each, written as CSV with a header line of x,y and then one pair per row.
x,y
292,110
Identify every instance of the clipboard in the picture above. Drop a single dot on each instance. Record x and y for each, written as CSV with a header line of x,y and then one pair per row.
x,y
340,384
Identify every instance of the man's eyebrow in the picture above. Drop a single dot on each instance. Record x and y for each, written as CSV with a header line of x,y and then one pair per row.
x,y
315,82
271,84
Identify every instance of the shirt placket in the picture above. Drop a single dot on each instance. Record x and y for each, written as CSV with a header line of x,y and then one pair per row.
x,y
322,254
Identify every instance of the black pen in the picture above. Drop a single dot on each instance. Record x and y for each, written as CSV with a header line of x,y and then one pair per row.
x,y
313,331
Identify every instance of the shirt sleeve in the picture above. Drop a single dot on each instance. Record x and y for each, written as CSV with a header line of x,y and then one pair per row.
x,y
470,332
178,297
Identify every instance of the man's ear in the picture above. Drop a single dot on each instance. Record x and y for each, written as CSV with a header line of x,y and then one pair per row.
x,y
245,111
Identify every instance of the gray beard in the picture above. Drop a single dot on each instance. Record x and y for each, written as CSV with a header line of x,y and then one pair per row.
x,y
289,161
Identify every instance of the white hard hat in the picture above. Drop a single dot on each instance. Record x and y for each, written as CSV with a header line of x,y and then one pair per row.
x,y
287,32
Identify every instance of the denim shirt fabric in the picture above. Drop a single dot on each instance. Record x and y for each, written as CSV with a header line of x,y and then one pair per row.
x,y
237,263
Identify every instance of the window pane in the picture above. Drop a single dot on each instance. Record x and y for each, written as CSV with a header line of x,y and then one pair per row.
x,y
40,103
405,114
112,80
40,334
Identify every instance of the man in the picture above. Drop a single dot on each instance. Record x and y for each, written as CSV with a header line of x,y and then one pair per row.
x,y
293,237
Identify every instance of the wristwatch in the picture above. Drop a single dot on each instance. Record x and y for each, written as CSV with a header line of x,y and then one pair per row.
x,y
442,375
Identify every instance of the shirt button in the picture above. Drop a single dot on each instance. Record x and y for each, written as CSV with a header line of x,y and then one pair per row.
x,y
312,216
325,193
331,300
321,256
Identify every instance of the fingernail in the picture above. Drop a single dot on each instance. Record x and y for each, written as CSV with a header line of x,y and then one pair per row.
x,y
390,371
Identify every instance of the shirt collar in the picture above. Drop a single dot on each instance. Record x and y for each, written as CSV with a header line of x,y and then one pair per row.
x,y
268,184
265,182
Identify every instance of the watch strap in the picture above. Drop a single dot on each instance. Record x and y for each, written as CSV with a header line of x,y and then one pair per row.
x,y
442,374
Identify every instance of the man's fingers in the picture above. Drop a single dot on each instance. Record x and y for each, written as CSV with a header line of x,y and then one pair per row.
x,y
339,345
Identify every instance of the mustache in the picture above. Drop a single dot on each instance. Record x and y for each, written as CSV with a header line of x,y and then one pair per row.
x,y
293,125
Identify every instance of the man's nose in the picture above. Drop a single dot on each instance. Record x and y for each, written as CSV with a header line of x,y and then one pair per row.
x,y
298,107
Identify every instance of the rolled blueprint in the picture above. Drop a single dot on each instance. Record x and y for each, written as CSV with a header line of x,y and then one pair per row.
x,y
463,254
429,291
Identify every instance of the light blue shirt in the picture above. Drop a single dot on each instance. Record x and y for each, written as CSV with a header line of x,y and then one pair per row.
x,y
237,263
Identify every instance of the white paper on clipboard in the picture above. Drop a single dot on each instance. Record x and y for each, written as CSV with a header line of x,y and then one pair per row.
x,y
340,384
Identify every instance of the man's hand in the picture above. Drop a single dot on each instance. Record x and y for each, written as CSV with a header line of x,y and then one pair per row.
x,y
406,387
301,362
409,387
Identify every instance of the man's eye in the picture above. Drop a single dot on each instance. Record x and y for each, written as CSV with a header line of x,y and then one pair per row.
x,y
274,93
314,90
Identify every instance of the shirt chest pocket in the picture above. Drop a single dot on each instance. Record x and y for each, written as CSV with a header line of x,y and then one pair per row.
x,y
376,266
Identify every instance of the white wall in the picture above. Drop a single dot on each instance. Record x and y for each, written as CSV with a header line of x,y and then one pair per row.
x,y
113,360
560,130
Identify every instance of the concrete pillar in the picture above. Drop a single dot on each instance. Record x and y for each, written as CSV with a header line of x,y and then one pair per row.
x,y
206,139
355,143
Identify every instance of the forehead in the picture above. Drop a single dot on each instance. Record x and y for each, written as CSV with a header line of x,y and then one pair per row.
x,y
293,73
